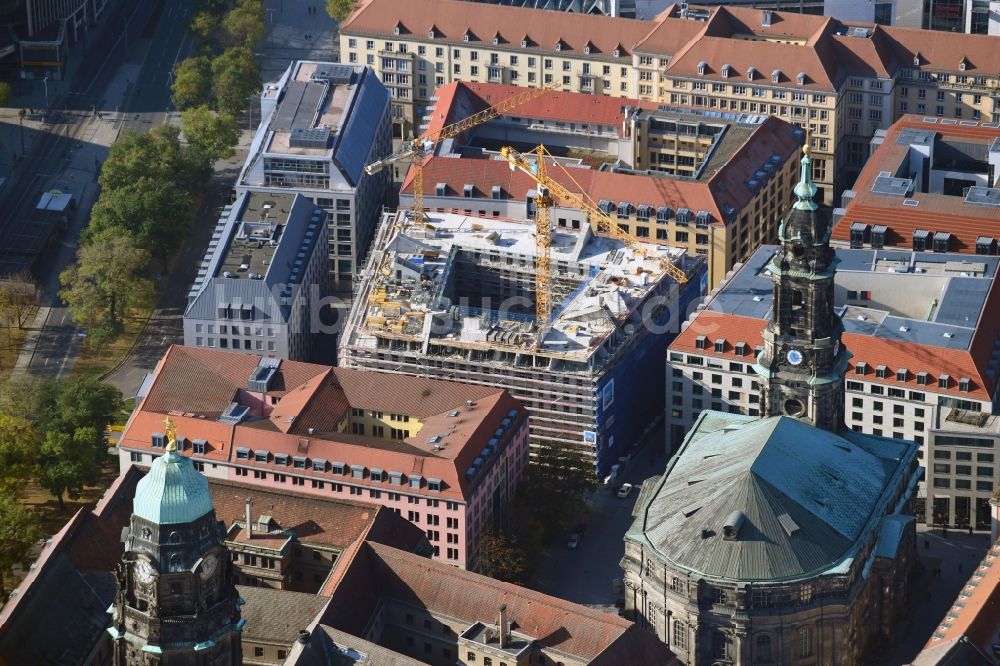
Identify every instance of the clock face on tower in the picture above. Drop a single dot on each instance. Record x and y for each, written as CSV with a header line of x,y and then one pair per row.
x,y
794,356
208,565
144,571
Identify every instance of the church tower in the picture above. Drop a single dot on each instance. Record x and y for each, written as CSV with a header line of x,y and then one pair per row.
x,y
176,603
803,362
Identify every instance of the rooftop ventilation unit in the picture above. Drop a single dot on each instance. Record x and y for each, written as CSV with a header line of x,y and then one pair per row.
x,y
312,137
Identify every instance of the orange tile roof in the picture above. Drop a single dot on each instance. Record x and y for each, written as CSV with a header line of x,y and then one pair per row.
x,y
326,521
872,350
724,188
305,426
935,212
793,42
375,572
453,19
976,612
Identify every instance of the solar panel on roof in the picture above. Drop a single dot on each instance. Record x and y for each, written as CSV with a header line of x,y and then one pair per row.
x,y
334,73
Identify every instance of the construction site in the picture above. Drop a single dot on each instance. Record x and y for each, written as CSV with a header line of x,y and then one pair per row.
x,y
455,297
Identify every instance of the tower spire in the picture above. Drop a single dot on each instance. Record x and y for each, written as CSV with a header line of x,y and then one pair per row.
x,y
805,189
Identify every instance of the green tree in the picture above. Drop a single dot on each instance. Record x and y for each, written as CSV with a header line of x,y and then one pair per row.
x,y
157,155
552,494
499,556
153,213
79,403
4,93
69,462
340,9
192,82
205,25
212,134
106,281
18,450
19,530
235,76
245,23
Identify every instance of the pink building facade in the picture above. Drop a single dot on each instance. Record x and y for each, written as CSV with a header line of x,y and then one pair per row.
x,y
446,456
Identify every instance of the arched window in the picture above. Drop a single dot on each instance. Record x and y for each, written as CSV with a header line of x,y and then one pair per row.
x,y
762,653
805,642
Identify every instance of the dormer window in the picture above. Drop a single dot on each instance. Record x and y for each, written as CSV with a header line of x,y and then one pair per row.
x,y
726,70
465,37
198,446
701,342
158,440
720,345
524,43
964,384
319,465
902,375
702,68
617,53
434,485
377,474
751,73
923,378
242,453
776,76
281,459
800,78
260,456
415,480
916,60
299,462
432,33
963,65
741,348
861,368
586,49
559,45
944,381
881,372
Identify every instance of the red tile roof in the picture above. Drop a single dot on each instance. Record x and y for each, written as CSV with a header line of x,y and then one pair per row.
x,y
976,613
190,378
375,572
331,522
793,42
453,19
724,188
872,350
935,212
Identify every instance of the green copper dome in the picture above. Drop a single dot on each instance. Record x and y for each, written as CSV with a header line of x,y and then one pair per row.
x,y
172,492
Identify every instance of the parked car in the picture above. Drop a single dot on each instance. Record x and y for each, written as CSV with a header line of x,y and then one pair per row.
x,y
625,490
574,541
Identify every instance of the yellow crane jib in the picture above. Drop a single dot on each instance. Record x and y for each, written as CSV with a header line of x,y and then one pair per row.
x,y
417,150
602,222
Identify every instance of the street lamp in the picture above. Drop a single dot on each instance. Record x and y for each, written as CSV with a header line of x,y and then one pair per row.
x,y
45,80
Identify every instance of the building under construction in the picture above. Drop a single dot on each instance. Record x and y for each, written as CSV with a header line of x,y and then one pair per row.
x,y
454,299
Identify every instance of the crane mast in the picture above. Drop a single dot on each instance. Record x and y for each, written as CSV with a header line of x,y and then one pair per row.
x,y
601,222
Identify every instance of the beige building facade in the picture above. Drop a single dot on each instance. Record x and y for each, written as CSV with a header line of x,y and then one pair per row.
x,y
842,81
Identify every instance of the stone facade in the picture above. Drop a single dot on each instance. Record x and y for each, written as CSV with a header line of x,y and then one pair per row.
x,y
176,603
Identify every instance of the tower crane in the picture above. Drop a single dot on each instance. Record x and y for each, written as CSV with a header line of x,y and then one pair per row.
x,y
601,222
416,150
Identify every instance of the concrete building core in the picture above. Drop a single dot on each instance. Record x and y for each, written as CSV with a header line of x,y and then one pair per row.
x,y
454,299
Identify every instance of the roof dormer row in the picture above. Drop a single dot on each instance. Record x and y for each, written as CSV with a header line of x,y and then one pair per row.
x,y
498,40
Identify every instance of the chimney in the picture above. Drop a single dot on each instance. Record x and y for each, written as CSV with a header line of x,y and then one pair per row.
x,y
504,627
249,518
304,637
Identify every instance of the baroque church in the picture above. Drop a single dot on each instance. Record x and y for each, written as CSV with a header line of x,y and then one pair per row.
x,y
176,603
784,538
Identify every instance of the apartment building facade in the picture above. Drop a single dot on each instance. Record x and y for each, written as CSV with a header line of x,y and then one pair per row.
x,y
714,184
320,124
920,359
264,279
842,81
446,456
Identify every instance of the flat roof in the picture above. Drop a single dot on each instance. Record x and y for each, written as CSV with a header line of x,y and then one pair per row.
x,y
252,248
944,301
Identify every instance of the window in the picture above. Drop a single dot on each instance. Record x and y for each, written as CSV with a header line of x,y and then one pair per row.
x,y
763,649
805,642
680,635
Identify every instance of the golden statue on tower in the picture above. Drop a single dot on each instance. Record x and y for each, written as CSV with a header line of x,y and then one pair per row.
x,y
171,433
